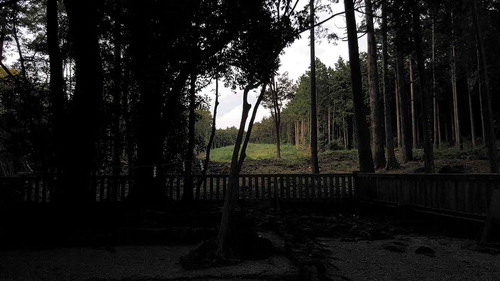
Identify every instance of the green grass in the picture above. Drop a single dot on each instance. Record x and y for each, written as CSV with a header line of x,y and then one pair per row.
x,y
257,151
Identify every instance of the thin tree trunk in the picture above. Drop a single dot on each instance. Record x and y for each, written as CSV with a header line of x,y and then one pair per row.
x,y
303,132
314,122
480,94
297,140
363,134
188,174
389,133
412,100
19,51
398,113
470,88
213,130
453,70
376,107
276,115
117,94
329,130
437,131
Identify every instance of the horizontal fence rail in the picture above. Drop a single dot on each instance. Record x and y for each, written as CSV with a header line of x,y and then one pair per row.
x,y
454,194
211,187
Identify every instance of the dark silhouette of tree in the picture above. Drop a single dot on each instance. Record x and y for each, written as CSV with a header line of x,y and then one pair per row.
x,y
424,91
400,44
363,135
388,100
85,111
376,108
256,61
57,98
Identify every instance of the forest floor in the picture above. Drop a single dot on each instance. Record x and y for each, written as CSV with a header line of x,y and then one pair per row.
x,y
262,159
307,242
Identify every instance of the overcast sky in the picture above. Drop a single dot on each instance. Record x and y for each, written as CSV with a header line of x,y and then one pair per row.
x,y
295,60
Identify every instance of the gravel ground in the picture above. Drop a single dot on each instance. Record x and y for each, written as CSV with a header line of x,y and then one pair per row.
x,y
129,263
395,259
444,258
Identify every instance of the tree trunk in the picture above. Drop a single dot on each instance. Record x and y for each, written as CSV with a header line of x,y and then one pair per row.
x,y
453,72
56,84
297,139
212,135
363,135
236,162
437,129
329,129
492,151
19,50
376,108
425,94
398,114
389,133
470,89
86,115
314,122
303,132
117,93
148,187
480,93
188,175
493,218
412,107
276,115
405,124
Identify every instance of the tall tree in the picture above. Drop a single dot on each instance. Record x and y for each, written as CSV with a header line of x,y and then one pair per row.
x,y
314,116
363,135
424,91
188,176
117,90
87,104
454,91
388,101
400,44
280,89
257,59
56,84
376,108
487,100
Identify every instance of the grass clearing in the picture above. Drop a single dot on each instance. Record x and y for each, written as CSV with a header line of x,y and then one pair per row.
x,y
258,151
261,158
